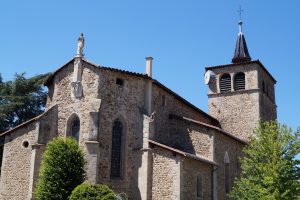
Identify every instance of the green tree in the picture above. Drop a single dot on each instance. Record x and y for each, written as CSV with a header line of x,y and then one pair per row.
x,y
21,99
270,170
61,171
86,191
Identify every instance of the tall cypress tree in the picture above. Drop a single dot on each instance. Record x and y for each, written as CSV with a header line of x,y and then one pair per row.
x,y
270,170
61,171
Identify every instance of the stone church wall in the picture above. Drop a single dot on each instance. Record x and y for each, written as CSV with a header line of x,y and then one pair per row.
x,y
22,154
102,103
234,148
191,170
165,129
267,97
15,173
191,137
166,175
228,109
124,102
240,111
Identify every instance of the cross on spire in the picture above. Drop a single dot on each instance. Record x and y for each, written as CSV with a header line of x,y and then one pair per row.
x,y
240,12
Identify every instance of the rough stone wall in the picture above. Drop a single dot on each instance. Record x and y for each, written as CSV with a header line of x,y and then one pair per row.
x,y
240,111
190,170
166,175
102,103
237,111
15,173
191,137
163,126
67,106
223,144
21,164
268,108
127,104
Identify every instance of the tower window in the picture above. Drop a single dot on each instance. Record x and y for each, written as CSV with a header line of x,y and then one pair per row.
x,y
239,81
117,132
225,83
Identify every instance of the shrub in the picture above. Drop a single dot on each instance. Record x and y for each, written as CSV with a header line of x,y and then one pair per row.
x,y
86,191
61,171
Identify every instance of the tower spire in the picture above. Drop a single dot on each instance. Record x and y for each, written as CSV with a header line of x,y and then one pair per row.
x,y
241,53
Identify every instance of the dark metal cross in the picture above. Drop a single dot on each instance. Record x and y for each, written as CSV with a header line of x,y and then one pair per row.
x,y
240,12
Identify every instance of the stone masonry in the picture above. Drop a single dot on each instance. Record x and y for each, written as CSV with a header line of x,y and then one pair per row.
x,y
169,149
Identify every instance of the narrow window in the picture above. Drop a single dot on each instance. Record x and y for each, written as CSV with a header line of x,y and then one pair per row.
x,y
163,100
239,81
75,128
225,83
263,87
117,131
120,81
227,172
199,186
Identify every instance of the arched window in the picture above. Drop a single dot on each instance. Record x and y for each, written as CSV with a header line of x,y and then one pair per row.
x,y
239,81
199,186
116,150
225,83
75,128
227,172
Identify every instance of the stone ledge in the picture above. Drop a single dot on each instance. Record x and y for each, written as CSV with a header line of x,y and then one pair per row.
x,y
91,142
37,145
230,93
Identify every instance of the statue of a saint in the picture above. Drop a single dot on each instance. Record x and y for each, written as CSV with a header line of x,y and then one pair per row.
x,y
80,45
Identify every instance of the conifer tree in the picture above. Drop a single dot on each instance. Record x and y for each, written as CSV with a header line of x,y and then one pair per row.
x,y
61,171
270,170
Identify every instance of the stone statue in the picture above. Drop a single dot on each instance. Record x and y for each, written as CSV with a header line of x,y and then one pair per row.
x,y
80,45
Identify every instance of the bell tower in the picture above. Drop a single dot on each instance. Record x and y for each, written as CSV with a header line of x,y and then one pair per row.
x,y
241,93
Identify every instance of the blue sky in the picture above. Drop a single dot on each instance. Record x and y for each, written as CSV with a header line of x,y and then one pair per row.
x,y
183,37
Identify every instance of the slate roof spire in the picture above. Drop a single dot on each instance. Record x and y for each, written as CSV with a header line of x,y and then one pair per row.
x,y
241,53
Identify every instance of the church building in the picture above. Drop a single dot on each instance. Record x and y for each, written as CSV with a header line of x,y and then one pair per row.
x,y
139,137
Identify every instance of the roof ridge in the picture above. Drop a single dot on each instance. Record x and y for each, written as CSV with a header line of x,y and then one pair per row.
x,y
47,82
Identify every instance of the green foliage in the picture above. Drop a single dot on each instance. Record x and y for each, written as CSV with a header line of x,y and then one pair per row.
x,y
61,171
270,170
86,191
21,100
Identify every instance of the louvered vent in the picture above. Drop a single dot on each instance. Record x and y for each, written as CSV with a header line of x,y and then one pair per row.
x,y
225,83
239,81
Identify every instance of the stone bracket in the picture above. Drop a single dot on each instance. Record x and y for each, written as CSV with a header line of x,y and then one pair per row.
x,y
76,88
